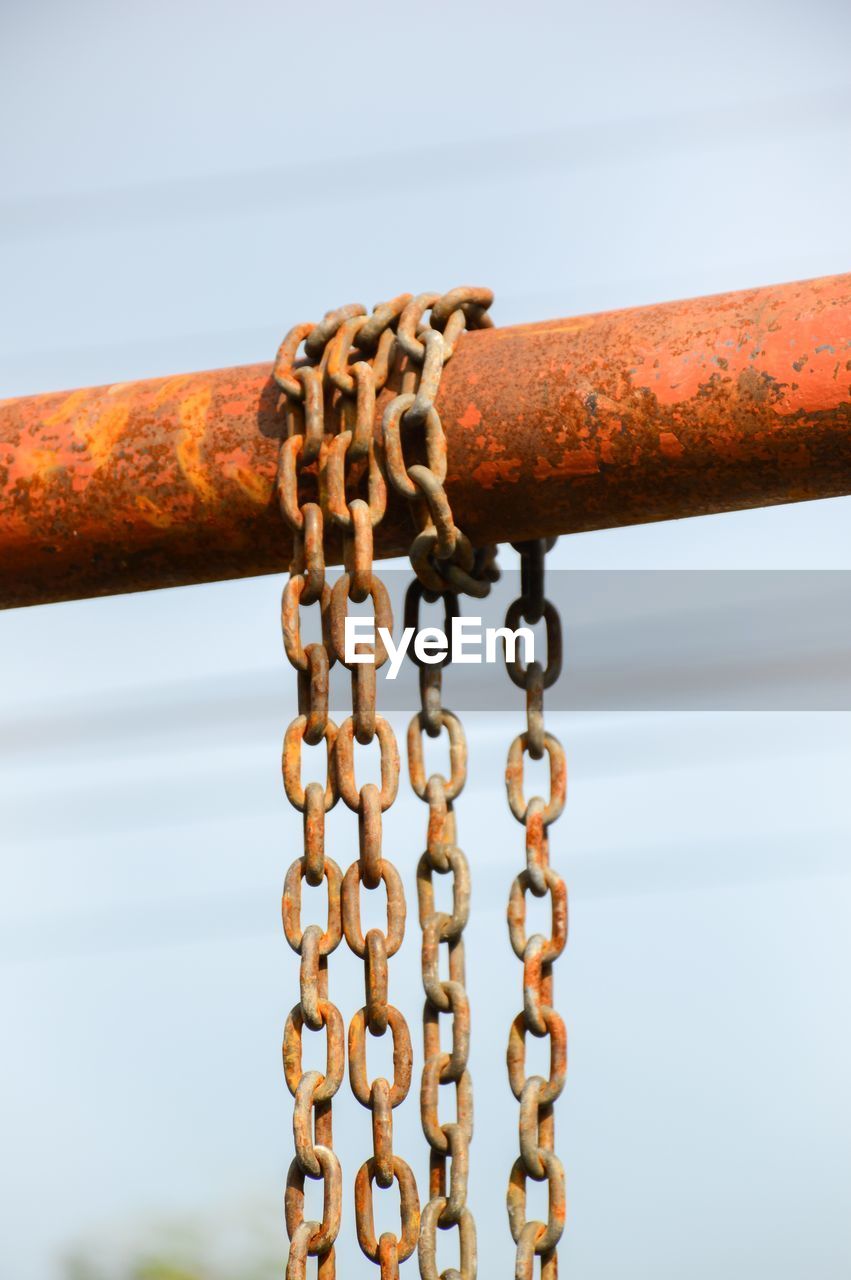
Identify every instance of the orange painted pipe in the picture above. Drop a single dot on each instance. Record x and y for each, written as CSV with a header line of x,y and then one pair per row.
x,y
713,404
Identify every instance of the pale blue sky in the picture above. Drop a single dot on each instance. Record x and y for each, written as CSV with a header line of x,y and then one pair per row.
x,y
181,182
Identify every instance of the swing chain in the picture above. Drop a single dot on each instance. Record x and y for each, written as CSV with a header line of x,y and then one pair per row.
x,y
535,1094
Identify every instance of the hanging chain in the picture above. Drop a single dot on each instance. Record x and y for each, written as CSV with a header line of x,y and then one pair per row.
x,y
448,1142
329,398
536,1095
445,564
313,1091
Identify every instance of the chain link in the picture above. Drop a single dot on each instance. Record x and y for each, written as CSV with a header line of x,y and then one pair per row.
x,y
536,1095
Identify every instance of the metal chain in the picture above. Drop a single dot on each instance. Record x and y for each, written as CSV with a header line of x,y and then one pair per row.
x,y
329,399
442,556
448,1141
536,1095
306,586
445,564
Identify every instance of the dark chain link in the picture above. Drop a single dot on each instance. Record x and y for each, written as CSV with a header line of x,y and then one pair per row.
x,y
328,401
535,1094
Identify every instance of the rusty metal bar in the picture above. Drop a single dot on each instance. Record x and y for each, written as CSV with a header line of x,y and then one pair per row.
x,y
713,404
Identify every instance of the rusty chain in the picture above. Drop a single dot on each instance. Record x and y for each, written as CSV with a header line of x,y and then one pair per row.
x,y
312,1090
449,1142
328,401
536,1095
442,556
445,565
349,357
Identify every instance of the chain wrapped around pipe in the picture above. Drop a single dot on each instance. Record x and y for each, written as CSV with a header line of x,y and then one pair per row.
x,y
536,1095
330,375
445,564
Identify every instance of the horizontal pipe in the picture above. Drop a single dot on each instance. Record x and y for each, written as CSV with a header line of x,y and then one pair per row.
x,y
713,404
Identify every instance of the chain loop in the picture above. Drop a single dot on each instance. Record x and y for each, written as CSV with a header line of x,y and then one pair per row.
x,y
457,755
345,763
294,593
433,1217
517,613
558,778
332,1020
291,905
395,908
409,1210
402,1057
322,1240
291,763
